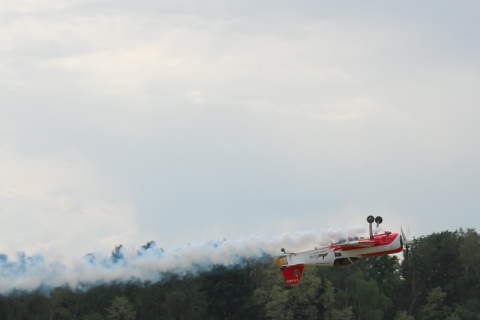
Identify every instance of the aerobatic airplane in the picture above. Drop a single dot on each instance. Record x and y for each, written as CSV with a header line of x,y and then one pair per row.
x,y
342,253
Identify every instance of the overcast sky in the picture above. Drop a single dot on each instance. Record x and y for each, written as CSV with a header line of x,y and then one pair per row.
x,y
179,121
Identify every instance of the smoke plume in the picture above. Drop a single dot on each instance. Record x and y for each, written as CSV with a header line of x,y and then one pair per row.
x,y
150,262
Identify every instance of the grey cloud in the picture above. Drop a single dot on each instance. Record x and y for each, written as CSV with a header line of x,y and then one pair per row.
x,y
236,112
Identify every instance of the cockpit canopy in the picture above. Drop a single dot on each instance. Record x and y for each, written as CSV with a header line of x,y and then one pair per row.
x,y
345,240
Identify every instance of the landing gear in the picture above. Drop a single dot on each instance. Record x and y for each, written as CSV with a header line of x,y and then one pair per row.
x,y
370,219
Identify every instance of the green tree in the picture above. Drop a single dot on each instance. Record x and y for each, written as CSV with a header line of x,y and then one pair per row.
x,y
439,280
434,308
385,270
470,310
470,262
23,306
270,296
367,300
434,261
229,290
343,314
279,301
183,300
121,309
403,315
93,316
331,310
328,300
279,306
63,304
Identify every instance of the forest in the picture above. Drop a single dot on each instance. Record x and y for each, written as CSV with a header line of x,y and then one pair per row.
x,y
439,278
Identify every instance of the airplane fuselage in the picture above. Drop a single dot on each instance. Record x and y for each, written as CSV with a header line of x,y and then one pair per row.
x,y
342,254
339,254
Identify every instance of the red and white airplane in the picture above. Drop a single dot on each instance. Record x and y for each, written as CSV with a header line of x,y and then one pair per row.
x,y
342,253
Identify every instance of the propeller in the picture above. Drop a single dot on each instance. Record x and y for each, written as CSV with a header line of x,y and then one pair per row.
x,y
406,242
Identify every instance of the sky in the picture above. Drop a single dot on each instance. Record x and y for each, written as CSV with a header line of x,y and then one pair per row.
x,y
184,121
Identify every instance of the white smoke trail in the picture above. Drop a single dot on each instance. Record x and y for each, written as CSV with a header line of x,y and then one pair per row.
x,y
150,263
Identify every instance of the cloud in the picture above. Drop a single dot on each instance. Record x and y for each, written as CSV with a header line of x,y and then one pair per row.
x,y
189,121
58,204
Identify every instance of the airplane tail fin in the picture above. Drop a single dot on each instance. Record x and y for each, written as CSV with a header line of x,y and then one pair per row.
x,y
292,274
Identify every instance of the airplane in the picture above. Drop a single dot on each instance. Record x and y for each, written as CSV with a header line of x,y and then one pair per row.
x,y
342,253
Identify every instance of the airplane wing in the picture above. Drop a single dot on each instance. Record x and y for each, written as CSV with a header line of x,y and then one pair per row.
x,y
357,244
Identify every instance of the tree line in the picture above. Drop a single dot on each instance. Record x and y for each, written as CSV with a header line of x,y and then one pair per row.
x,y
439,278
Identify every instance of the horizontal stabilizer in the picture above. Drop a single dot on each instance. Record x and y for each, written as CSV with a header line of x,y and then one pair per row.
x,y
293,274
